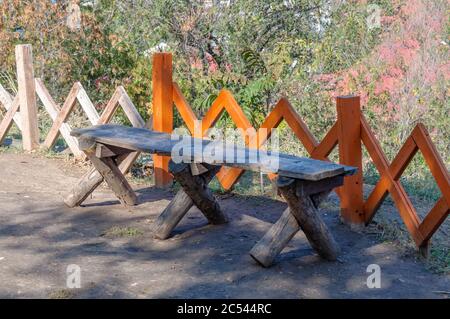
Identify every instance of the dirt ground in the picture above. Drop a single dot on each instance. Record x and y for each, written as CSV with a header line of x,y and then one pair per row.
x,y
40,237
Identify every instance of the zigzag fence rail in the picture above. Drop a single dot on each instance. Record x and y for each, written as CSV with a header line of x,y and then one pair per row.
x,y
25,100
350,132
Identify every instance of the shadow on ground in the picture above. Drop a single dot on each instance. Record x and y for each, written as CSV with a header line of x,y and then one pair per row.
x,y
40,237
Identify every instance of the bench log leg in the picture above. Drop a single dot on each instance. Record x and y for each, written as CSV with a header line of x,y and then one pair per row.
x,y
177,208
278,236
196,188
303,209
107,167
92,179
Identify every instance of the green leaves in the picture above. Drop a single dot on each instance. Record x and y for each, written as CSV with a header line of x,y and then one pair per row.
x,y
254,64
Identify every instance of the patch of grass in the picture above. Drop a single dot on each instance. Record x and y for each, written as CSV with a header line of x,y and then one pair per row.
x,y
10,150
61,294
248,184
389,230
394,231
117,231
52,154
417,179
439,260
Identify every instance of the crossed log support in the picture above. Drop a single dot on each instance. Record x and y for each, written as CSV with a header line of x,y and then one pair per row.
x,y
301,214
109,164
302,197
194,180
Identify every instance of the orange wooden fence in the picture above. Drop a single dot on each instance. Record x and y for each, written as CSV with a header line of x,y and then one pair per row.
x,y
350,132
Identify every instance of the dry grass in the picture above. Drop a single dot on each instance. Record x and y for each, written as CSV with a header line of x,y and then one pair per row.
x,y
118,231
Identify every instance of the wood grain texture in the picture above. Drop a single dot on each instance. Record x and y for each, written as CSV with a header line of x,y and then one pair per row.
x,y
7,120
53,110
177,208
249,159
110,108
350,153
162,110
107,167
310,222
87,106
275,239
434,219
197,189
92,179
7,101
278,236
129,109
27,97
387,183
62,116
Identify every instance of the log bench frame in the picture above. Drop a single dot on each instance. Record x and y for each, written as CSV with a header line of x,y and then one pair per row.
x,y
302,196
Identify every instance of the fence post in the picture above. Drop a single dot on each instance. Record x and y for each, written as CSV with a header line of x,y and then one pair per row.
x,y
162,111
350,153
27,97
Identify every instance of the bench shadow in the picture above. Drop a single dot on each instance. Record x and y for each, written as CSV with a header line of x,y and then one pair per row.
x,y
144,195
198,261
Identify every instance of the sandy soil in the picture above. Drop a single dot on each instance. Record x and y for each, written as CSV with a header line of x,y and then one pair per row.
x,y
40,237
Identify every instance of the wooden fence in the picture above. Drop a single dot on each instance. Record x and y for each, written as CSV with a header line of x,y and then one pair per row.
x,y
350,132
22,109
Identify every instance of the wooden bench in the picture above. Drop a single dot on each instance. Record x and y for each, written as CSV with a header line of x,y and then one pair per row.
x,y
303,182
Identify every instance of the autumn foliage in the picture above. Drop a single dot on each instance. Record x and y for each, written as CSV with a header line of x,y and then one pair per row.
x,y
309,51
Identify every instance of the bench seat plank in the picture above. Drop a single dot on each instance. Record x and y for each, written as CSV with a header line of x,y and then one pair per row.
x,y
143,140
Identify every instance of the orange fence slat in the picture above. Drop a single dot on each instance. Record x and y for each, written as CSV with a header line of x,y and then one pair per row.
x,y
403,158
434,219
327,145
299,127
235,112
162,111
349,134
434,161
183,107
386,184
215,111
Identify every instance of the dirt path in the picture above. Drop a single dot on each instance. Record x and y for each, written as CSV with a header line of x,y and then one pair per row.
x,y
40,237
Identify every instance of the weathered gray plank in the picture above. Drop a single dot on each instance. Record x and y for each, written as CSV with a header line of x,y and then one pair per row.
x,y
161,143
